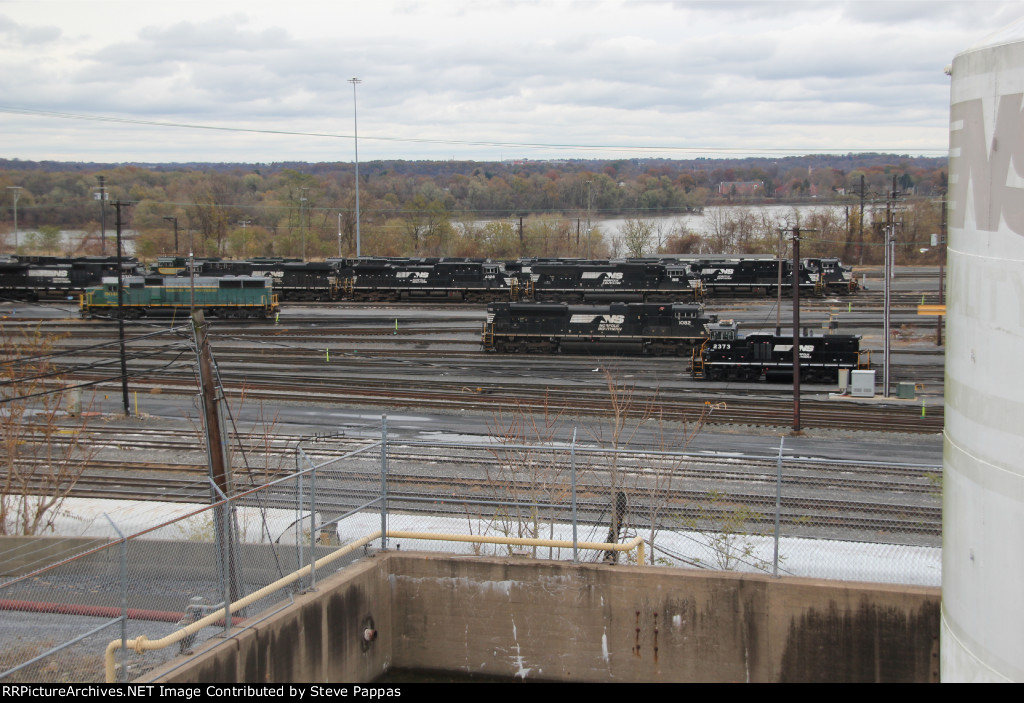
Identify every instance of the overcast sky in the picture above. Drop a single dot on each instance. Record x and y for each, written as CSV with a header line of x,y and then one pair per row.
x,y
478,80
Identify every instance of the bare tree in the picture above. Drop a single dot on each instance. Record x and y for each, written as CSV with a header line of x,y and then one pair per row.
x,y
653,479
528,470
44,456
638,236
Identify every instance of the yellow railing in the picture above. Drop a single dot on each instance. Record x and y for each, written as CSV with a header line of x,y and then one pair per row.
x,y
142,644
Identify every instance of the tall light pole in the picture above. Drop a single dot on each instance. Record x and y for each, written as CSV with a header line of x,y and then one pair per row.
x,y
355,132
339,235
16,191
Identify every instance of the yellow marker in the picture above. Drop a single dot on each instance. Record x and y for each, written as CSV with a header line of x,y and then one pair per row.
x,y
328,353
922,407
849,307
396,326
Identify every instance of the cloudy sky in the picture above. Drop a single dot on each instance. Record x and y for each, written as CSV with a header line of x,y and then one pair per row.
x,y
256,81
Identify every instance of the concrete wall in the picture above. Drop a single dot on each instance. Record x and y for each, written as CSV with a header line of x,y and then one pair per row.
x,y
318,639
555,621
20,555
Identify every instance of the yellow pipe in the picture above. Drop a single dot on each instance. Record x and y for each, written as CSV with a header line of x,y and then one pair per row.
x,y
141,644
636,542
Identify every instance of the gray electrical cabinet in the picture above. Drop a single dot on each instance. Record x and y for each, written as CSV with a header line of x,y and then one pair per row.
x,y
862,384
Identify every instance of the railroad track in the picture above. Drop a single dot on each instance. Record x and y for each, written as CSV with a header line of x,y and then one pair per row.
x,y
418,494
820,498
423,367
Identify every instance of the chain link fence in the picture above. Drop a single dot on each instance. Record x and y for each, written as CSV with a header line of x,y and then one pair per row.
x,y
82,609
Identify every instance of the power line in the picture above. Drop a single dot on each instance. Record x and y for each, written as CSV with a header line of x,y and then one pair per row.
x,y
134,374
464,142
79,350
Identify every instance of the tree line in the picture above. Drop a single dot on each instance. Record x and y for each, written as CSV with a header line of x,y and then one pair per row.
x,y
500,210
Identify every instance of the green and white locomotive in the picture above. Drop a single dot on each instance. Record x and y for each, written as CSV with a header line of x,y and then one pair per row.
x,y
229,297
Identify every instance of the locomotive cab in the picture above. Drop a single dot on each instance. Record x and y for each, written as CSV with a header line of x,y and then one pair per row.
x,y
724,331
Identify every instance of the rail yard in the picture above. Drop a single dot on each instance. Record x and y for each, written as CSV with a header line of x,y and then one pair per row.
x,y
376,358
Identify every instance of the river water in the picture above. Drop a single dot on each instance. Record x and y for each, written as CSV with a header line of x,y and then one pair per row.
x,y
704,223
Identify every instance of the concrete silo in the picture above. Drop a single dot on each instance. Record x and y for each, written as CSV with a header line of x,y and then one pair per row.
x,y
983,491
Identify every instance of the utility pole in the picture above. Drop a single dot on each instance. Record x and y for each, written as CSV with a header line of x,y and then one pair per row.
x,y
216,448
302,221
120,311
890,264
244,224
942,268
191,274
778,291
860,253
796,328
175,221
103,215
589,203
16,192
211,395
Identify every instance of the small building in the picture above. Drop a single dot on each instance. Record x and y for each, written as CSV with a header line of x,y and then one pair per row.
x,y
743,189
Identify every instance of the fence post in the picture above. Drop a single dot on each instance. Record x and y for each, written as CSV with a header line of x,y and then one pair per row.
x,y
298,522
384,481
226,541
778,509
223,541
312,522
124,599
572,474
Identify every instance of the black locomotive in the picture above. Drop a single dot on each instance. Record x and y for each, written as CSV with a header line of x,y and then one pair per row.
x,y
717,350
729,355
623,328
53,277
830,276
592,281
456,280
